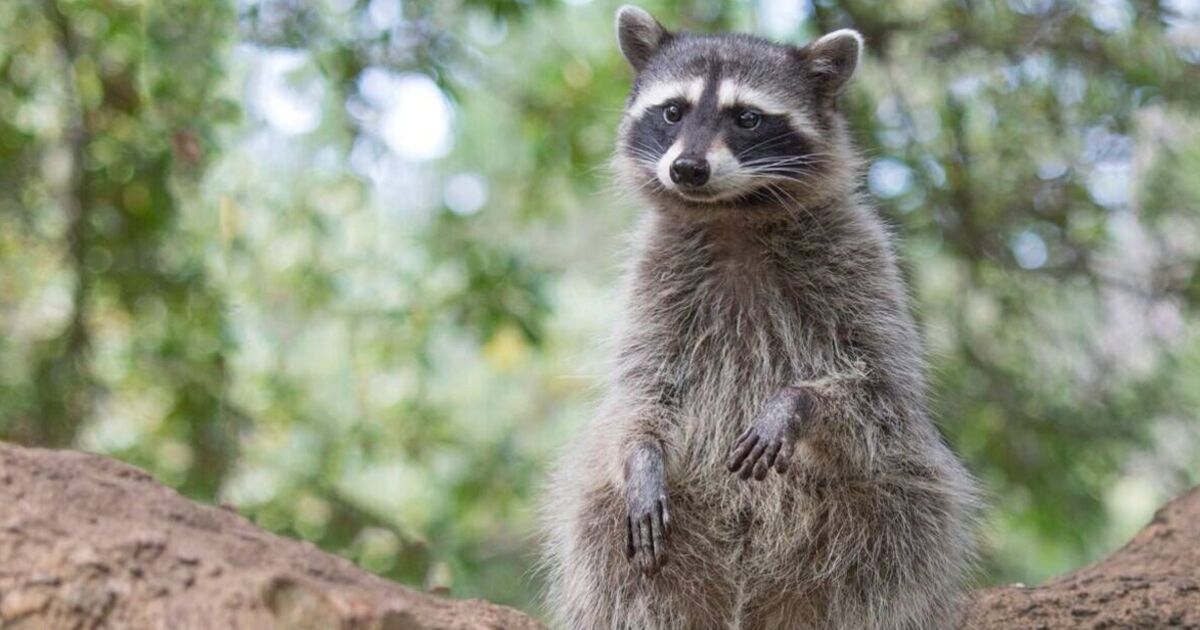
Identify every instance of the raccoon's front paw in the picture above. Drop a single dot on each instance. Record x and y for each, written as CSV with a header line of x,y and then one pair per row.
x,y
768,442
648,522
646,529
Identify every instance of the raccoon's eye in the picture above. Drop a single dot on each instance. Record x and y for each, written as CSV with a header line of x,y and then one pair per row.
x,y
748,119
672,113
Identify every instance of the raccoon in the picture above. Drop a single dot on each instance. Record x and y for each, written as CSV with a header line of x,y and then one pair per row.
x,y
763,456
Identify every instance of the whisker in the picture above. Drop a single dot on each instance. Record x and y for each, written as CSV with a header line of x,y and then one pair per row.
x,y
762,143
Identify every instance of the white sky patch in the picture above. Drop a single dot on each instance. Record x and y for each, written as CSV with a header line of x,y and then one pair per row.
x,y
1112,16
286,91
341,6
1070,86
1185,8
1031,7
889,178
1183,28
365,156
252,486
966,86
415,119
402,187
1030,250
465,193
485,29
1110,183
1052,167
781,19
1109,154
384,14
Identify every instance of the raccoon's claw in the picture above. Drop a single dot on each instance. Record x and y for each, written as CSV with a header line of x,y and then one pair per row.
x,y
768,442
755,455
646,538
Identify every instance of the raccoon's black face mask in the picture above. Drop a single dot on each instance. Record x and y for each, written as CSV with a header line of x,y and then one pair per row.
x,y
723,118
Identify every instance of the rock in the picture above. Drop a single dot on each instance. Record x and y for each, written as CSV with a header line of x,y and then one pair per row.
x,y
1152,582
88,542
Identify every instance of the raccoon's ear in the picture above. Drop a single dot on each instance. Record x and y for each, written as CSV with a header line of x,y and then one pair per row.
x,y
639,35
833,59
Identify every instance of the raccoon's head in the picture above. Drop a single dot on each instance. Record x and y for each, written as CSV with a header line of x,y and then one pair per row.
x,y
714,119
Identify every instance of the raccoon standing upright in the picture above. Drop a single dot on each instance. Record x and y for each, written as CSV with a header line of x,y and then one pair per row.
x,y
763,457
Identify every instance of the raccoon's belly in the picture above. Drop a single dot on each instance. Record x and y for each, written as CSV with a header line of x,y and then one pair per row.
x,y
720,404
723,393
714,412
747,523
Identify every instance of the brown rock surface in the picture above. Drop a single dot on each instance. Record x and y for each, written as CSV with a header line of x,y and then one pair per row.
x,y
1152,582
88,542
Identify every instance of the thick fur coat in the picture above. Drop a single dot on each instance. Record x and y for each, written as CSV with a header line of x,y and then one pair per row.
x,y
785,278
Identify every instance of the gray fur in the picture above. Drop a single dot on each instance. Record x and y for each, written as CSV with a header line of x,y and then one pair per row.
x,y
639,35
870,524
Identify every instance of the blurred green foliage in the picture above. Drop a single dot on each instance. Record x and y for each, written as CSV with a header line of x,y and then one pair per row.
x,y
347,264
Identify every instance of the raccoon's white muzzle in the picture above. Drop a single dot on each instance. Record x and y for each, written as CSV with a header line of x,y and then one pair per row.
x,y
727,178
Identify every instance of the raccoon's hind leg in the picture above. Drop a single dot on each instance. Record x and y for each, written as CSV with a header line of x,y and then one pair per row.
x,y
595,586
885,554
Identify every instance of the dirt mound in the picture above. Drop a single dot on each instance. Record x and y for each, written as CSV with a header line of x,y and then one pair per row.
x,y
88,542
1152,582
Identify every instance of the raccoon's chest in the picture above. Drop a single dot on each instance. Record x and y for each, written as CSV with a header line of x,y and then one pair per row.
x,y
744,334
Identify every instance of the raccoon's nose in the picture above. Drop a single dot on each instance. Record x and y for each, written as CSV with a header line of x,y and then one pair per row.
x,y
689,172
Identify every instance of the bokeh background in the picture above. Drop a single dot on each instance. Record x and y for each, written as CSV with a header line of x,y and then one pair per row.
x,y
347,265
